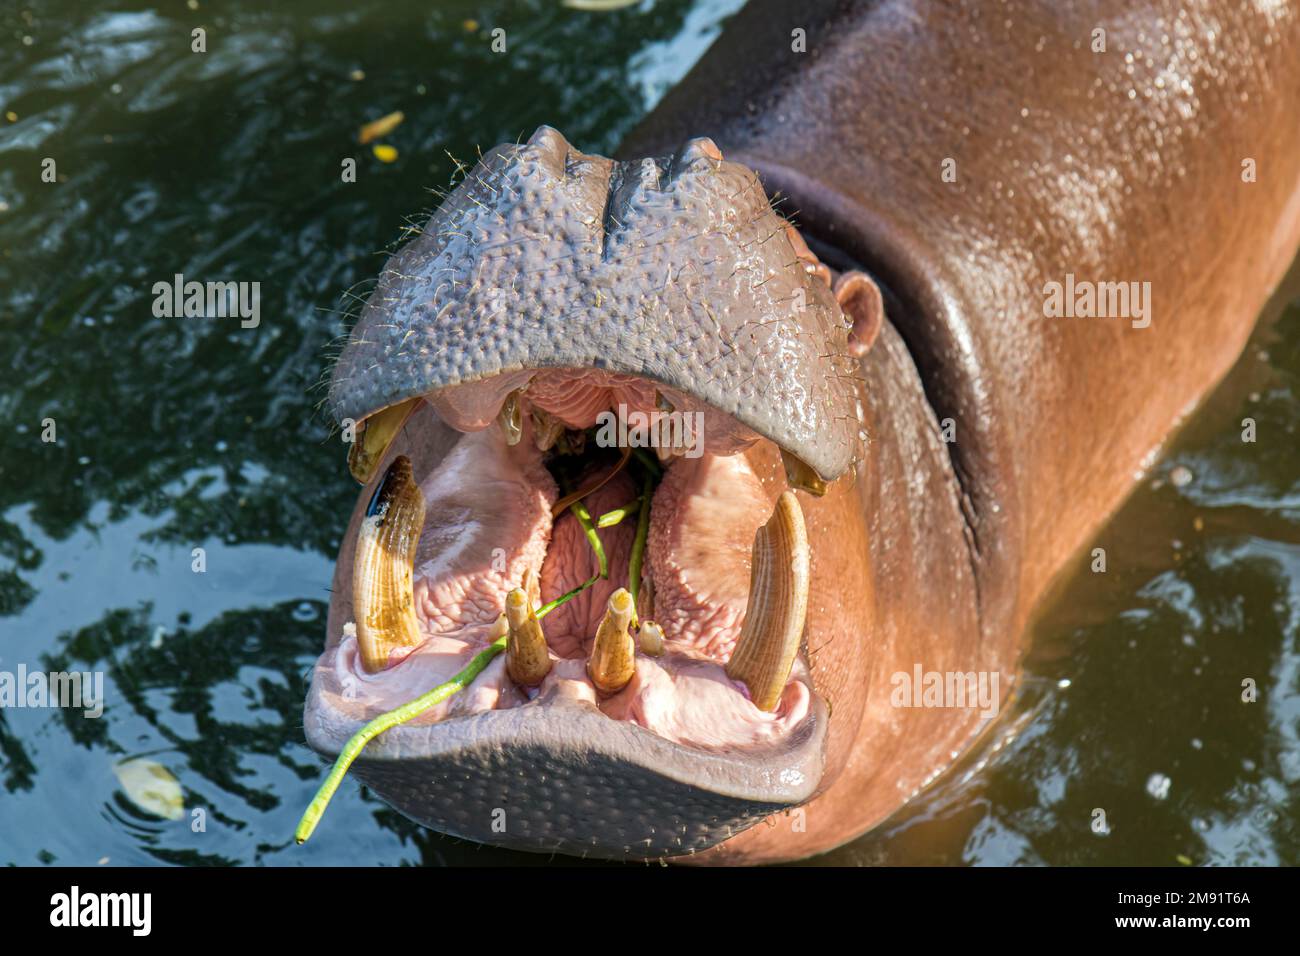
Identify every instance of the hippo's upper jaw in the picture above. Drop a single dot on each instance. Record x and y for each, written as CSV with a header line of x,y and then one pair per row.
x,y
646,333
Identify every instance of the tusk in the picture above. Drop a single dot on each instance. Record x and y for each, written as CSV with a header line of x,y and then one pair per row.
x,y
382,592
527,659
800,476
778,605
376,434
613,655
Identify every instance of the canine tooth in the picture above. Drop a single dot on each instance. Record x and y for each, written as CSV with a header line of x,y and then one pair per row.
x,y
613,655
382,592
778,604
512,418
527,659
650,638
546,430
801,476
376,434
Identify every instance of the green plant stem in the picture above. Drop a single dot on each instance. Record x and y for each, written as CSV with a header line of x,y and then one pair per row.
x,y
550,606
649,461
383,722
589,529
611,518
638,547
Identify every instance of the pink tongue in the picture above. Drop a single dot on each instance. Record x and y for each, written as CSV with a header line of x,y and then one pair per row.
x,y
570,561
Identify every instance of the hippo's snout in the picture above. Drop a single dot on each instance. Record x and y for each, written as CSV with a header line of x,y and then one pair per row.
x,y
673,269
596,380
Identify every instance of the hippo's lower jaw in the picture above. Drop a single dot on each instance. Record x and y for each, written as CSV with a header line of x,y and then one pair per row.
x,y
670,760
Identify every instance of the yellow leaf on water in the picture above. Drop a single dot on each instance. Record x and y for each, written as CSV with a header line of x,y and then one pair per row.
x,y
381,127
151,787
385,153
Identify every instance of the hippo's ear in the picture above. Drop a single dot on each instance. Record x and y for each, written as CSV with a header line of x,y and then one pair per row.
x,y
859,299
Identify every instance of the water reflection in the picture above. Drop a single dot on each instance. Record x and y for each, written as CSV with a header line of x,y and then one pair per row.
x,y
175,435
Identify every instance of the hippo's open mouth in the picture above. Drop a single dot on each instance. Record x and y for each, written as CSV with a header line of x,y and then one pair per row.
x,y
618,513
501,511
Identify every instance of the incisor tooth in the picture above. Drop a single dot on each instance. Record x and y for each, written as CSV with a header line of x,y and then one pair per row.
x,y
546,430
645,599
650,638
801,476
613,655
527,659
778,604
382,593
376,434
512,418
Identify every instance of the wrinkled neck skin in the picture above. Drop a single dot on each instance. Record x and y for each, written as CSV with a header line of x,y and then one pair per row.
x,y
1117,166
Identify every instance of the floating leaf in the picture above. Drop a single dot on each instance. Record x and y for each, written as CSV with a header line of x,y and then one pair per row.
x,y
381,127
151,787
385,153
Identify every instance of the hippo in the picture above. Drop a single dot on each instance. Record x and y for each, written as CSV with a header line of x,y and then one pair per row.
x,y
752,450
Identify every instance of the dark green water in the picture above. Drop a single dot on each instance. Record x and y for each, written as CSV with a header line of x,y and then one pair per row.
x,y
175,434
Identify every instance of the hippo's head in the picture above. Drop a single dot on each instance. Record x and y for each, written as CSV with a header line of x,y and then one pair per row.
x,y
653,334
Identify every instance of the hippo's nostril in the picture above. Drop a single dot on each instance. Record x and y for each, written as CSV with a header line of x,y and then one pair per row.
x,y
630,187
551,148
696,155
